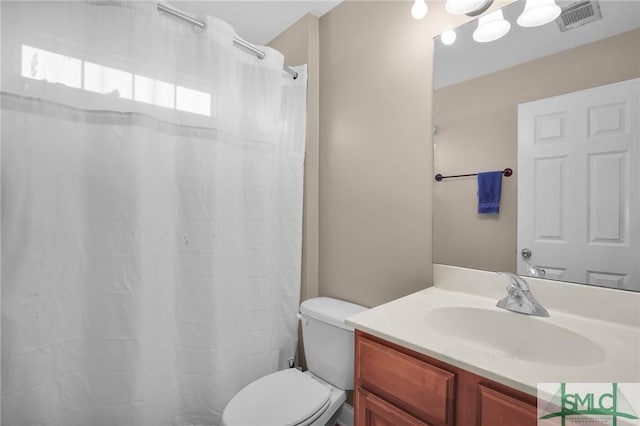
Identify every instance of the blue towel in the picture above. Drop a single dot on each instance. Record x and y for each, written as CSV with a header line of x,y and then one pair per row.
x,y
489,188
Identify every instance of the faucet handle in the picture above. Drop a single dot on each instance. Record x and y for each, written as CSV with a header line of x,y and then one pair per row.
x,y
515,280
513,290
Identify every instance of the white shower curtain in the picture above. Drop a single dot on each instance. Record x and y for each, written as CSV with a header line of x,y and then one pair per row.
x,y
151,215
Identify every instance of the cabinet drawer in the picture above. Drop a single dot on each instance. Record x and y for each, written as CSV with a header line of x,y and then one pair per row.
x,y
417,387
497,408
374,411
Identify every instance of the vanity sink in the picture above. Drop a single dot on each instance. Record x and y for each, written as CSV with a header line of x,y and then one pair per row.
x,y
514,336
458,323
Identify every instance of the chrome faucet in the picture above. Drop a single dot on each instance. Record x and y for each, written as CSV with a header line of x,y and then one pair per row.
x,y
520,298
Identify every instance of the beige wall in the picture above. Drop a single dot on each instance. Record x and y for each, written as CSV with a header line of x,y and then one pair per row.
x,y
375,149
367,234
367,208
478,131
300,45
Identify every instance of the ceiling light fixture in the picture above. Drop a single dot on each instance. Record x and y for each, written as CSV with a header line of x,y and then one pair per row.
x,y
419,9
491,27
467,7
538,12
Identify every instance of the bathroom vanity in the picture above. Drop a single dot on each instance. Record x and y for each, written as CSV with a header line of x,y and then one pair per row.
x,y
447,355
397,386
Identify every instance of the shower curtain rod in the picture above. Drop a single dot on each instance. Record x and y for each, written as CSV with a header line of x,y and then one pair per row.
x,y
238,42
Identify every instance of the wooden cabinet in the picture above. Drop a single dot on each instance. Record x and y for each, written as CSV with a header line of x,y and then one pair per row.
x,y
497,408
419,388
395,386
374,411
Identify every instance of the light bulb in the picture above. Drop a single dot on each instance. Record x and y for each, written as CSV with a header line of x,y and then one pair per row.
x,y
448,37
419,9
491,27
538,12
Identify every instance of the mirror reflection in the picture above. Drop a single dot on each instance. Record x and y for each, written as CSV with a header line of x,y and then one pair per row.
x,y
557,104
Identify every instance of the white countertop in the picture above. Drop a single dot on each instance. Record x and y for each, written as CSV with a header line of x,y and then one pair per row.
x,y
406,322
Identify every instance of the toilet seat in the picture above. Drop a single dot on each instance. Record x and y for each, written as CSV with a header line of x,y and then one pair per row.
x,y
284,398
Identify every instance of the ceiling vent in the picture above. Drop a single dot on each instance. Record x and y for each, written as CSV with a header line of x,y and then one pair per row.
x,y
578,14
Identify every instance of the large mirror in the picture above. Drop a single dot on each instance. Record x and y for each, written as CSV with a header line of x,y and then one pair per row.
x,y
557,104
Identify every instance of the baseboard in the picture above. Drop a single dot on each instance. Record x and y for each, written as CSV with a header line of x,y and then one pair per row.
x,y
346,415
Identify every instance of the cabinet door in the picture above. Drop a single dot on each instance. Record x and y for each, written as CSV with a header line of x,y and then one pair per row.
x,y
416,386
374,411
498,409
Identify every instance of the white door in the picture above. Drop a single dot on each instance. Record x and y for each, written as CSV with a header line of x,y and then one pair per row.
x,y
579,185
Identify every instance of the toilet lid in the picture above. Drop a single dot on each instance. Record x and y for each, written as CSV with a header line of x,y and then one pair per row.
x,y
285,398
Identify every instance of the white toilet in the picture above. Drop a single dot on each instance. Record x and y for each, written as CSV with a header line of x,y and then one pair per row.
x,y
313,398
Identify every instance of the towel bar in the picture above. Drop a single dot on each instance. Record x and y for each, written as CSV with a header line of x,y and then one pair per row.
x,y
506,172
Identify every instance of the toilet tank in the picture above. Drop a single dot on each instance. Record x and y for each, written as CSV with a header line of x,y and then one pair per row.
x,y
328,341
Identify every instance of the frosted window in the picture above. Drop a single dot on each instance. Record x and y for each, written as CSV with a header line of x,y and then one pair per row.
x,y
154,92
101,79
52,67
193,101
40,64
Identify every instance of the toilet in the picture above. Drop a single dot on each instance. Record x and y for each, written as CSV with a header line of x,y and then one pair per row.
x,y
313,398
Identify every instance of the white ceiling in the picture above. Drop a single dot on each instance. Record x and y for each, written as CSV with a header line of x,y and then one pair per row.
x,y
257,22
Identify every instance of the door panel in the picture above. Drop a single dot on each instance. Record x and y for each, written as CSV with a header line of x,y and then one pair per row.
x,y
578,191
